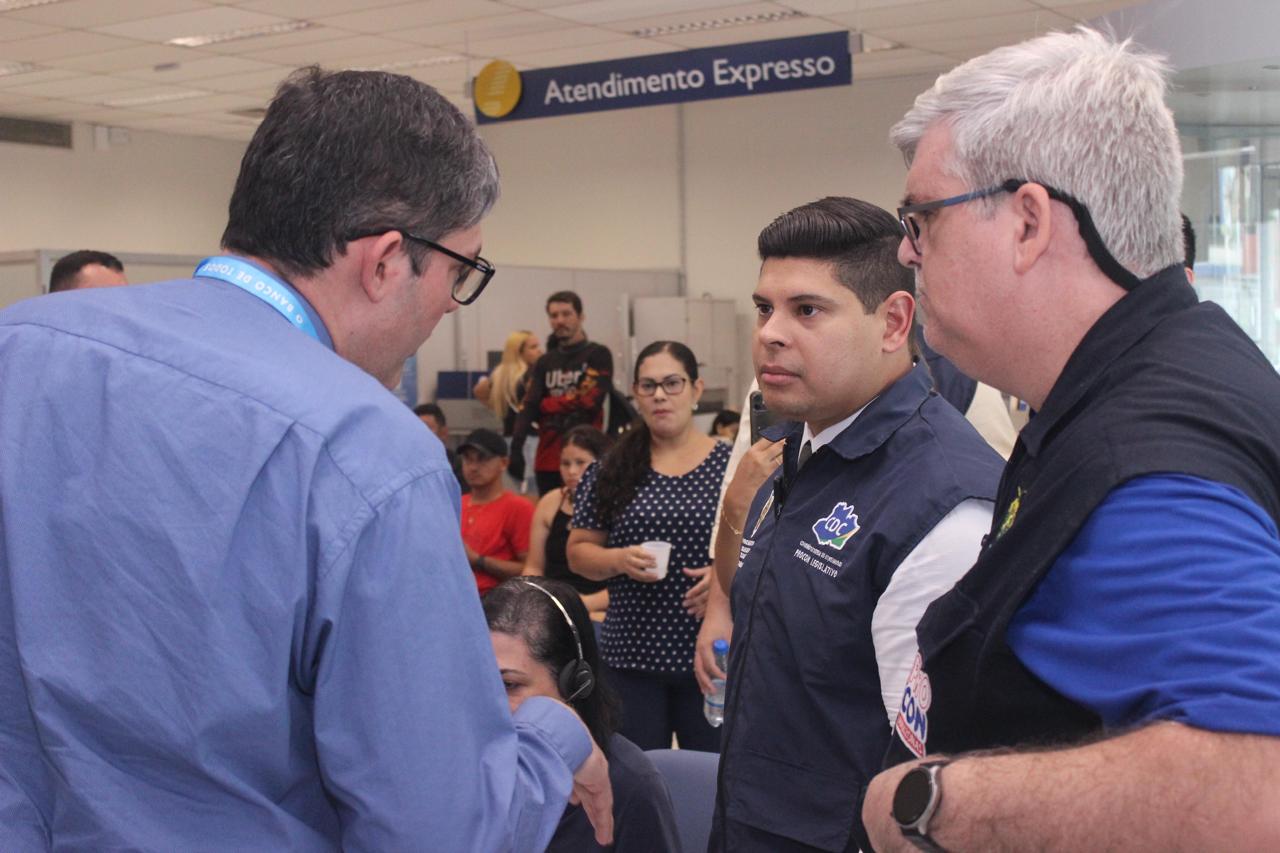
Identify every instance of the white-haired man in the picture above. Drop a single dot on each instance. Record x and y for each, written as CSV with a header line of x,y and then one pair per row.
x,y
1123,616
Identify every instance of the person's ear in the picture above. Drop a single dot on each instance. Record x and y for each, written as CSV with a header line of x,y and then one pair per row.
x,y
1033,218
380,265
897,312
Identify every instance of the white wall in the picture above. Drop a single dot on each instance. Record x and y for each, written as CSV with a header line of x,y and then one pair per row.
x,y
683,188
696,183
157,193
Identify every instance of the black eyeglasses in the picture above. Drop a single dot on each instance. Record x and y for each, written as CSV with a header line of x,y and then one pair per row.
x,y
465,288
907,215
670,386
1106,262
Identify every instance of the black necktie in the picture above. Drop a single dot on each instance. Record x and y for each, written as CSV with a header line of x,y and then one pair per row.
x,y
806,450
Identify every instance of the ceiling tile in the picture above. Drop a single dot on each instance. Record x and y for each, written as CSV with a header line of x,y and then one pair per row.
x,y
11,105
541,4
626,25
183,125
12,80
82,84
1117,4
94,114
213,19
898,63
252,82
11,28
128,89
311,35
66,43
838,7
130,58
307,9
388,19
606,11
402,60
554,39
209,103
44,108
480,29
198,69
590,53
1089,11
328,52
87,14
1016,26
872,20
752,32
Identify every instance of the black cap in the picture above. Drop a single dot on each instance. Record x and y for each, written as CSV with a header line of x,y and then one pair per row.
x,y
486,441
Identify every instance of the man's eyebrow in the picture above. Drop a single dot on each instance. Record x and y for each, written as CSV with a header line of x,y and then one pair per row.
x,y
810,299
907,200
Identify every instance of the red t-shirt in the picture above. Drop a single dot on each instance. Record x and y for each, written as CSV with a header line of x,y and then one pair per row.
x,y
499,528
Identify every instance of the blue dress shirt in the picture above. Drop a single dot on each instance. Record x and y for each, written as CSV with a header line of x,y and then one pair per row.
x,y
235,610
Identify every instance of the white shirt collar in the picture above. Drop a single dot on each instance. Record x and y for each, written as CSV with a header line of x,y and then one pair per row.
x,y
825,437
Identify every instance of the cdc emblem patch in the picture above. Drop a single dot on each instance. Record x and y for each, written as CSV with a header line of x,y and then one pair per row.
x,y
912,724
838,527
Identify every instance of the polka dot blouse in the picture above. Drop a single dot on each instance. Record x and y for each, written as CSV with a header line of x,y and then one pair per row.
x,y
645,627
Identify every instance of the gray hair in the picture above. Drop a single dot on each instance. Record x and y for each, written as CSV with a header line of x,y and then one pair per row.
x,y
350,152
1077,111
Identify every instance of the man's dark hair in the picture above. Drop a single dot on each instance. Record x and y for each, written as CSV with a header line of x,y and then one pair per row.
x,y
566,296
353,152
65,271
1188,243
859,239
433,410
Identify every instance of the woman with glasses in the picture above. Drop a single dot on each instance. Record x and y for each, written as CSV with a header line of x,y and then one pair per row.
x,y
659,483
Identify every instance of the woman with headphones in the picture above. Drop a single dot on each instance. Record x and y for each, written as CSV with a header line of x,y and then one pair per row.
x,y
545,646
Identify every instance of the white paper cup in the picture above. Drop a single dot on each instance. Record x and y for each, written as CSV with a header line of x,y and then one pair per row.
x,y
661,552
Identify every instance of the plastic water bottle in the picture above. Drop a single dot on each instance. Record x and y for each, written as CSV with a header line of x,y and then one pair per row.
x,y
713,704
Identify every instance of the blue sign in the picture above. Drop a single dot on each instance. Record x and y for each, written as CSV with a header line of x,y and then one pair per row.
x,y
757,68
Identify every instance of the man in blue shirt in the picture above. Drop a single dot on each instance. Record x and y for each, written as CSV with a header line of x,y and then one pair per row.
x,y
234,606
1117,641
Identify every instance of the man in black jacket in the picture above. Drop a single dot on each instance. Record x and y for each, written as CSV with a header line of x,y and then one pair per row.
x,y
1117,641
569,386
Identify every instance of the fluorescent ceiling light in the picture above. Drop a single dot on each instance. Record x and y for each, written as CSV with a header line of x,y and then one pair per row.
x,y
165,98
242,33
13,5
717,24
8,69
412,63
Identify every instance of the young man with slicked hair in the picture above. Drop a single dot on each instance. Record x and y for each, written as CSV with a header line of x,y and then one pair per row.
x,y
235,609
881,498
1107,674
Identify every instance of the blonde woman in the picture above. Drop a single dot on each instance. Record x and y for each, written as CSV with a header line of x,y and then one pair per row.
x,y
503,390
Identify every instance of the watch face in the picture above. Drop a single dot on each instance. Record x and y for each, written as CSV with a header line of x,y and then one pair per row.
x,y
912,797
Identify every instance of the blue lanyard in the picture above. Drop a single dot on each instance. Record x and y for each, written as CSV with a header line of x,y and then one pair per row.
x,y
261,284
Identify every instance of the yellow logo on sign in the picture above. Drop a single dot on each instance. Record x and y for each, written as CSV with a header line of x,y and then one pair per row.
x,y
497,89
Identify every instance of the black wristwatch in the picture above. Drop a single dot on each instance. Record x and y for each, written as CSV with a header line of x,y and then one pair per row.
x,y
916,801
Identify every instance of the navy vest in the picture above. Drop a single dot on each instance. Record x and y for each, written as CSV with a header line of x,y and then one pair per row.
x,y
805,722
1160,384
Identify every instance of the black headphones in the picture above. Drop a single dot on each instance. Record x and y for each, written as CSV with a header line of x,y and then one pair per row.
x,y
576,680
